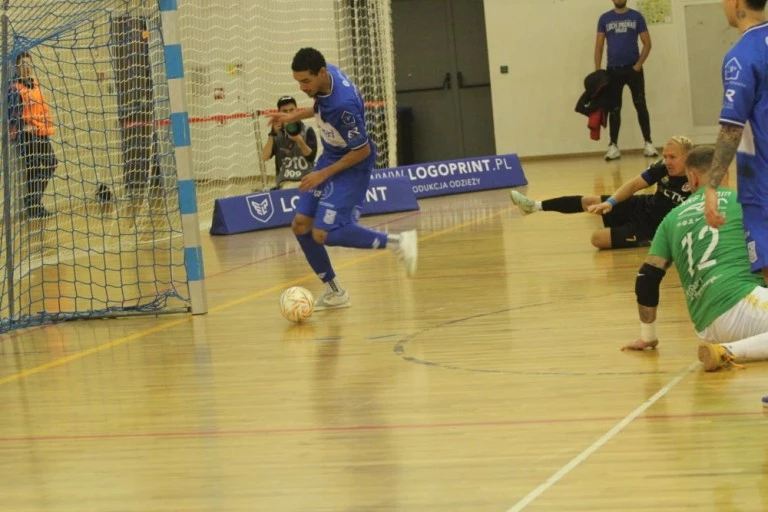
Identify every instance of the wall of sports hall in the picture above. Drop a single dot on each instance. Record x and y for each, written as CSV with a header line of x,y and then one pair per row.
x,y
549,46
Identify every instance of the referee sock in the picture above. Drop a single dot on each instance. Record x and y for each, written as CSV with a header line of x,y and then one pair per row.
x,y
564,204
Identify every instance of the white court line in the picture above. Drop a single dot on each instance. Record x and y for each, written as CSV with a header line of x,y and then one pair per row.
x,y
520,505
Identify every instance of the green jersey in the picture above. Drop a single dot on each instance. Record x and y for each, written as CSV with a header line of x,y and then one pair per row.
x,y
713,264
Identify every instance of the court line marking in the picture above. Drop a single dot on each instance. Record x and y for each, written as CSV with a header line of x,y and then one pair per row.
x,y
10,336
562,472
227,305
401,350
368,428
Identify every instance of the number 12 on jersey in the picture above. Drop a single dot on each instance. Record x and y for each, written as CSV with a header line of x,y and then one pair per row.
x,y
704,262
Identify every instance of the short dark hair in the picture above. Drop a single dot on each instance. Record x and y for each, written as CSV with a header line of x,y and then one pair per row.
x,y
700,158
756,5
22,55
308,59
286,100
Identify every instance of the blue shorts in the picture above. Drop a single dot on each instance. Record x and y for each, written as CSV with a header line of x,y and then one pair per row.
x,y
339,200
756,229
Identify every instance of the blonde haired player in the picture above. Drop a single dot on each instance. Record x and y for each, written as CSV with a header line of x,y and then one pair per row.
x,y
629,220
726,302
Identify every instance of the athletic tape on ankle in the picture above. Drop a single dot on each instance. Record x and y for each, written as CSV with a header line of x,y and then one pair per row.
x,y
648,331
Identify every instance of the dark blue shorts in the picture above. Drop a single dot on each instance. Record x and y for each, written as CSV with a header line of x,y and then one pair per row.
x,y
339,200
756,230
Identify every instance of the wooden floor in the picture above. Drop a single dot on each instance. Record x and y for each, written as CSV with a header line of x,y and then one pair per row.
x,y
493,381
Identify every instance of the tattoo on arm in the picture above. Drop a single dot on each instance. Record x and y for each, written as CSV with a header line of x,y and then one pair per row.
x,y
647,315
725,149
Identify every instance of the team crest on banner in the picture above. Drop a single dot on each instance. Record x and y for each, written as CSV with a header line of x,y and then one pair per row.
x,y
260,206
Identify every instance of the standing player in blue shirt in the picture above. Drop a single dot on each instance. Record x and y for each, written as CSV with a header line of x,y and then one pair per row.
x,y
333,193
620,28
744,128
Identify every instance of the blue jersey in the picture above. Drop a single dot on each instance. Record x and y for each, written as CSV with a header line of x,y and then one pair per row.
x,y
340,117
745,103
621,33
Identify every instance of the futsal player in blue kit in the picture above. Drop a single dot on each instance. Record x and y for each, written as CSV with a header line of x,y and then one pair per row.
x,y
744,128
332,194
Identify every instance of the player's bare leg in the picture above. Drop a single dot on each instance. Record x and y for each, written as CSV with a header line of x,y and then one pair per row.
x,y
602,238
301,224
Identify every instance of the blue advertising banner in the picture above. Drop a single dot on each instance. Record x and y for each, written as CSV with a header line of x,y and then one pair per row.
x,y
457,176
265,210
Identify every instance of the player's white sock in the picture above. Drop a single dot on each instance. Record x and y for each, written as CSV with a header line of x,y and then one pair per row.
x,y
753,348
538,206
393,242
333,287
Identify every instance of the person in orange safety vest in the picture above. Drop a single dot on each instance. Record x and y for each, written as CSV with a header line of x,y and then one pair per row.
x,y
31,126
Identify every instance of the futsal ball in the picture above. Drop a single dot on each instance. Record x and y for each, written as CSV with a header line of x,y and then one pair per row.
x,y
297,304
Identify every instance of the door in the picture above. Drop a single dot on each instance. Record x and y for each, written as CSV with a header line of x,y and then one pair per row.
x,y
441,65
473,78
424,69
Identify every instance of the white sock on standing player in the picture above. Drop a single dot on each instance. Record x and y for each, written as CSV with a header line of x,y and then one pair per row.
x,y
753,348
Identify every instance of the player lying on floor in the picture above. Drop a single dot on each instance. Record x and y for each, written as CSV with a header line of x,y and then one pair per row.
x,y
726,302
629,220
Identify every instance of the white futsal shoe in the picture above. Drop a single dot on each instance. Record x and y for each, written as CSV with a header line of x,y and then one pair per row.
x,y
408,251
332,300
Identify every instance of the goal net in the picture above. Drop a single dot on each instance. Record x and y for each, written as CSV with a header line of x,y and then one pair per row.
x,y
90,223
92,217
237,56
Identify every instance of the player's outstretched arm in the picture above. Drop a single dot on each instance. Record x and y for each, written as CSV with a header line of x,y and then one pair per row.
x,y
278,119
623,193
647,285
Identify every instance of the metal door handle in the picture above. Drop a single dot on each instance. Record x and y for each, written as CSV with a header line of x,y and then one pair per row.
x,y
445,85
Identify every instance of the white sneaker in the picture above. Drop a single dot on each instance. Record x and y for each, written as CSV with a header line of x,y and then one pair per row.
x,y
408,251
613,152
649,150
526,204
331,300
